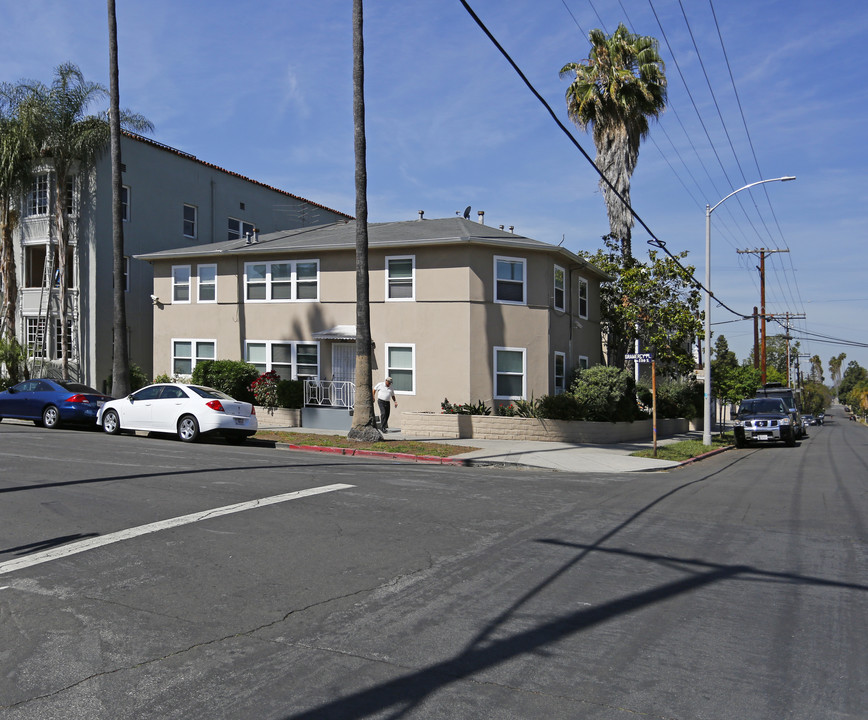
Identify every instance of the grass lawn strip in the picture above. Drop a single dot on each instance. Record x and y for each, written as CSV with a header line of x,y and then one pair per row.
x,y
392,447
686,449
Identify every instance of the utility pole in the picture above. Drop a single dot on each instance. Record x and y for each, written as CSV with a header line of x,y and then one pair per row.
x,y
762,252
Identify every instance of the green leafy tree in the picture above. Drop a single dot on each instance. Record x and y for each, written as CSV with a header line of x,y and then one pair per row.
x,y
654,302
16,163
70,139
854,375
615,91
816,397
776,354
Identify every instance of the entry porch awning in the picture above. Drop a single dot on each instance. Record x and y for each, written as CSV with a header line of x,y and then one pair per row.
x,y
338,332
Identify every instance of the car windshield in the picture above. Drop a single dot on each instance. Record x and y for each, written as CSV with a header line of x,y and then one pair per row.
x,y
207,392
762,405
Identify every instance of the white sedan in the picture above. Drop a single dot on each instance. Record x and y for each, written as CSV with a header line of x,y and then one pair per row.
x,y
186,410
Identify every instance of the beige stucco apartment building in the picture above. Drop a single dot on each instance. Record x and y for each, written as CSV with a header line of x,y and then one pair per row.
x,y
459,310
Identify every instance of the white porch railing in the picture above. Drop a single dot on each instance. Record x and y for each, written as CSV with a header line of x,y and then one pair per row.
x,y
330,393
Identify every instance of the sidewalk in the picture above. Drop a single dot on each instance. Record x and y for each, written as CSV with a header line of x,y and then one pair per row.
x,y
555,456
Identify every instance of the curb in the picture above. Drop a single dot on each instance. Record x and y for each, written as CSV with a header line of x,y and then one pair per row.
x,y
709,454
431,459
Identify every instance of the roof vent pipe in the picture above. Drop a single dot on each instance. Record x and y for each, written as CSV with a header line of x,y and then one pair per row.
x,y
500,226
256,235
249,239
512,228
421,214
481,214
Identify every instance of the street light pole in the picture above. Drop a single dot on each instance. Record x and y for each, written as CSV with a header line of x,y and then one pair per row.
x,y
706,427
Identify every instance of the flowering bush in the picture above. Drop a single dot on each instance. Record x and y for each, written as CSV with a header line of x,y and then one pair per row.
x,y
264,389
449,408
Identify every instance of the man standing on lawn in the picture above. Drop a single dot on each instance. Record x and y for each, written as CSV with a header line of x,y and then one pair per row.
x,y
383,393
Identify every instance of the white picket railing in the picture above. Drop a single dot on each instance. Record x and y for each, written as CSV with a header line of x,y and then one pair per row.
x,y
330,393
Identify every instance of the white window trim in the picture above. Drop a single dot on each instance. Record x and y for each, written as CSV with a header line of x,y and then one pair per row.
x,y
189,284
269,365
523,352
584,363
194,342
412,259
241,233
32,207
583,282
294,281
563,388
563,306
199,283
195,221
125,206
523,262
412,347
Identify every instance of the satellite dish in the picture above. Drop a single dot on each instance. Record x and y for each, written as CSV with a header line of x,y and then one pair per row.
x,y
467,213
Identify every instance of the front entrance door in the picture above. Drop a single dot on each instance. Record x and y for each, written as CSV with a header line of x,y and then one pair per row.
x,y
344,361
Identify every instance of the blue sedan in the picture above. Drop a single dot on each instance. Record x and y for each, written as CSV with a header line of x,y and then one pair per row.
x,y
51,403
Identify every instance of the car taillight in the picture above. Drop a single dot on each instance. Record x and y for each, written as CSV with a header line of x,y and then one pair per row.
x,y
252,410
215,405
77,399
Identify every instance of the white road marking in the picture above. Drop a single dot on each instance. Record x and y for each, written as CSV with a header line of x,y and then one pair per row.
x,y
92,543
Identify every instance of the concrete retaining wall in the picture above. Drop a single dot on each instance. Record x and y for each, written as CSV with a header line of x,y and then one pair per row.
x,y
491,427
278,417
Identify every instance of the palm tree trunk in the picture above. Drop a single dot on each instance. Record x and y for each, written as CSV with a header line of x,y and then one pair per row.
x,y
363,428
120,354
62,227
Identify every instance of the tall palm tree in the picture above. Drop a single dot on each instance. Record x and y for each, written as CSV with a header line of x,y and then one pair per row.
x,y
16,153
615,91
363,428
71,139
120,351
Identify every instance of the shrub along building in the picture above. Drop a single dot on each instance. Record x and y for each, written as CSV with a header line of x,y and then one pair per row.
x,y
171,199
459,310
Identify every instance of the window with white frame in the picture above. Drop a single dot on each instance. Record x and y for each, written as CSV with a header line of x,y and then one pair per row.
x,y
180,283
583,362
509,373
37,198
187,353
35,335
510,285
291,359
34,266
190,216
583,298
400,277
560,373
239,229
207,283
56,345
401,367
71,197
559,294
125,203
282,281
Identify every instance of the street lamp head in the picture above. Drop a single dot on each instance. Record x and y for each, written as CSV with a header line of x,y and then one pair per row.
x,y
788,178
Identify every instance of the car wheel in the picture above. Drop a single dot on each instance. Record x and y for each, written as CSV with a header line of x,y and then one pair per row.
x,y
111,423
235,438
790,440
739,442
50,417
188,428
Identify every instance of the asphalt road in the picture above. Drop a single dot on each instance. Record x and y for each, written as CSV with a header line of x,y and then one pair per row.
x,y
732,588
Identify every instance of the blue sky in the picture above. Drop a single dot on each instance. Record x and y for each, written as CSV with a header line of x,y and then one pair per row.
x,y
265,89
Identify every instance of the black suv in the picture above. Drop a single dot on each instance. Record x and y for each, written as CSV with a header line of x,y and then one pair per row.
x,y
789,396
764,420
